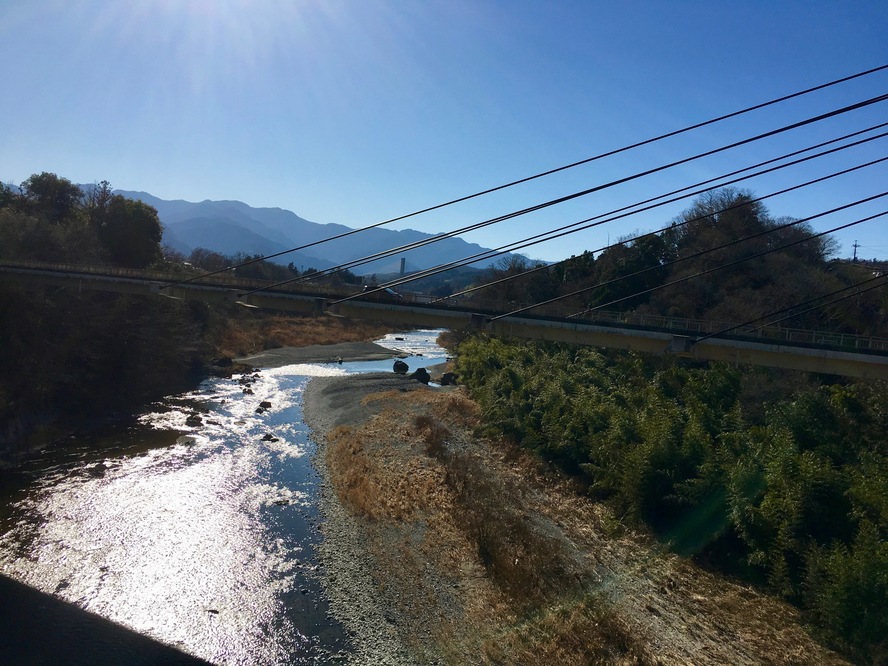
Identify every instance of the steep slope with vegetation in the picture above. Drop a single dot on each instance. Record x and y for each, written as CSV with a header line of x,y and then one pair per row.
x,y
441,546
780,478
750,264
792,494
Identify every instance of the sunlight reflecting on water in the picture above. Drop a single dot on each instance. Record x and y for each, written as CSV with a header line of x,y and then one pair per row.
x,y
420,342
184,543
196,526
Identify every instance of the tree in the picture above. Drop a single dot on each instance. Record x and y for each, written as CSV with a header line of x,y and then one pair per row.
x,y
8,196
515,280
97,202
131,232
636,268
53,198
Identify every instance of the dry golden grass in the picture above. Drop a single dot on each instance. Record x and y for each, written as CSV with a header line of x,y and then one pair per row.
x,y
451,408
544,575
577,633
244,336
376,483
403,466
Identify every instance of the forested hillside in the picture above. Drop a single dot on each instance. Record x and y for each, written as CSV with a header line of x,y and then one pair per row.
x,y
778,477
749,265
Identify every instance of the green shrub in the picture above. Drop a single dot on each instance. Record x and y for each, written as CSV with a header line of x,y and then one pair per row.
x,y
798,498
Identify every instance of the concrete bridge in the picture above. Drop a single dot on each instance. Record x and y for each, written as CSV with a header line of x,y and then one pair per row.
x,y
810,351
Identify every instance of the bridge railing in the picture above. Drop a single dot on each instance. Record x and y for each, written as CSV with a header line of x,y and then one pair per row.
x,y
692,327
700,327
218,280
683,325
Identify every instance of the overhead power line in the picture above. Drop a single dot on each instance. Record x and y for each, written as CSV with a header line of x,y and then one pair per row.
x,y
576,195
613,215
549,172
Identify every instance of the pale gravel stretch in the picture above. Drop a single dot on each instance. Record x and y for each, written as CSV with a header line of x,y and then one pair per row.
x,y
329,402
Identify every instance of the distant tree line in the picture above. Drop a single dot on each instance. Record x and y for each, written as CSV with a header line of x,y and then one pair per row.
x,y
49,218
67,356
242,264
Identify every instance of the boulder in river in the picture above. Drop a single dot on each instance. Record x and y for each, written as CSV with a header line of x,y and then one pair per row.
x,y
400,367
421,375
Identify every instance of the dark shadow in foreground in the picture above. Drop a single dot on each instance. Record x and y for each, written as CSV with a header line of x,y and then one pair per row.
x,y
37,628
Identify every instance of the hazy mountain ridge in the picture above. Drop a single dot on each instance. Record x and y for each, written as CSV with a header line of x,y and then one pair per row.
x,y
233,226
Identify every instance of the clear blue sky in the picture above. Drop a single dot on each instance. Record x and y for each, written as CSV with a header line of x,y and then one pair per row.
x,y
356,111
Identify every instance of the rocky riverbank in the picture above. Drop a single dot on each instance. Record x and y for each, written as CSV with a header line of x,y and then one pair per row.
x,y
441,547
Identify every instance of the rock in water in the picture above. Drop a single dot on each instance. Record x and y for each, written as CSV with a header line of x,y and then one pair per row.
x,y
448,379
421,375
400,367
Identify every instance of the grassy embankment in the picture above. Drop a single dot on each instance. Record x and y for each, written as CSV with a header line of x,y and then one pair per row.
x,y
68,356
772,476
414,465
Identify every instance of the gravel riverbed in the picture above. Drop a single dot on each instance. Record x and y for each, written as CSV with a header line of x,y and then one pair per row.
x,y
355,601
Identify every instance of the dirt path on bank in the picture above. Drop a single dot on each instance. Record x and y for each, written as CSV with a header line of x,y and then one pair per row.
x,y
443,547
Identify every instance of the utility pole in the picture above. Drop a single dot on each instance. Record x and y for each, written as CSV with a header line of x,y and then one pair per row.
x,y
855,246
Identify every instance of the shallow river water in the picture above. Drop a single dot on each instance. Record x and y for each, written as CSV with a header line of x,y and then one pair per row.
x,y
198,532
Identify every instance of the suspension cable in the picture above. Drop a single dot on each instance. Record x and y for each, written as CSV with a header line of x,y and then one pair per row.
x,y
542,174
575,227
489,254
575,195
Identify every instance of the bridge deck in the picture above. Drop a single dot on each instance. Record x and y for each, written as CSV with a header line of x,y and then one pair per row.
x,y
810,351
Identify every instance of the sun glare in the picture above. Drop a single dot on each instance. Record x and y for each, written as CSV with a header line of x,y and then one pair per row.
x,y
209,38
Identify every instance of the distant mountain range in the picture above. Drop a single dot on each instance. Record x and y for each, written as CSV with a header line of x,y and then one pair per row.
x,y
233,226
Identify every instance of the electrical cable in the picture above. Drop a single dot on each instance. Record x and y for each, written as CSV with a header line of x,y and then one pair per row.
x,y
574,227
545,173
575,195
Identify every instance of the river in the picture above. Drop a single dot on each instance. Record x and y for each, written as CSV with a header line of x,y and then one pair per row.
x,y
196,524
